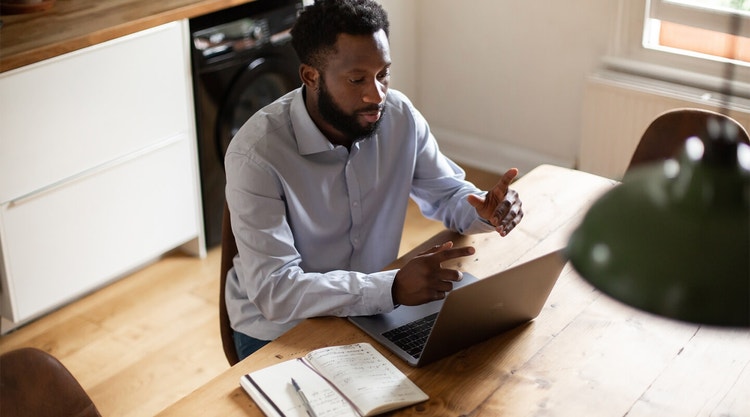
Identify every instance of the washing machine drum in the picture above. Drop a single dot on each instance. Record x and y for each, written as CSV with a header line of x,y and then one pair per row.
x,y
257,85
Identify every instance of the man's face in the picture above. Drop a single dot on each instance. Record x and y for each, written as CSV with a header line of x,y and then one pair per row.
x,y
354,124
351,90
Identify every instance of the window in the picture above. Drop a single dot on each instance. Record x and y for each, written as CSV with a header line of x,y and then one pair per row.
x,y
710,29
692,42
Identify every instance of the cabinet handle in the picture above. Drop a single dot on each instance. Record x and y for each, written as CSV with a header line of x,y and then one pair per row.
x,y
96,169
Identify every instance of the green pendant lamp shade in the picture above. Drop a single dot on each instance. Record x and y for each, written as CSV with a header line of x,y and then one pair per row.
x,y
674,237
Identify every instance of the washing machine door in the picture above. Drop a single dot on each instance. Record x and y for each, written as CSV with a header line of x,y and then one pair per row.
x,y
263,80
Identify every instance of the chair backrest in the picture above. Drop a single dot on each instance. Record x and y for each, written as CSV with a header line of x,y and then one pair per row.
x,y
667,133
228,251
35,383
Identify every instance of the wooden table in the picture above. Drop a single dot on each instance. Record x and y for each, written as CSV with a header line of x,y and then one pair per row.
x,y
585,355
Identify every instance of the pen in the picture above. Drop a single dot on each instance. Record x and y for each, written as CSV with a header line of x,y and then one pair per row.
x,y
303,397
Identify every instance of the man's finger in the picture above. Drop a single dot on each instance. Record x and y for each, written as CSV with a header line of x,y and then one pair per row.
x,y
437,248
447,254
501,188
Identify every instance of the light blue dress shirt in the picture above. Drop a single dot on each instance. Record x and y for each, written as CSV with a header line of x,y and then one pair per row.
x,y
315,223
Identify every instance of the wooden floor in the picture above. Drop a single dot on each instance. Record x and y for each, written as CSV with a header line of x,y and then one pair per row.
x,y
147,340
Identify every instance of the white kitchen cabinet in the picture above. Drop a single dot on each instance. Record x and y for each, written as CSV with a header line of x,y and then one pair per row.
x,y
98,168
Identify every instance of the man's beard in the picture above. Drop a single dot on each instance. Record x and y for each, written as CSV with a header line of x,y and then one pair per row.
x,y
348,124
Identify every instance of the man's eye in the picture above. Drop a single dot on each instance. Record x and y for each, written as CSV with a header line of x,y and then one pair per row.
x,y
356,80
384,75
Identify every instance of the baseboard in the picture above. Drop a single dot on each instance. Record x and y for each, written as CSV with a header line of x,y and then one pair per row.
x,y
6,326
492,156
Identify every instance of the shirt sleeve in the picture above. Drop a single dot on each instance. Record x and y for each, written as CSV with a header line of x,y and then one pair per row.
x,y
268,268
440,188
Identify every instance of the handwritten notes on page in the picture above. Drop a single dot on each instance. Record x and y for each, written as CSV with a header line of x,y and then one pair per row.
x,y
350,380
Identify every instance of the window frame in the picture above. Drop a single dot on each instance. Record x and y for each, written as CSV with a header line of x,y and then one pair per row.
x,y
705,18
629,54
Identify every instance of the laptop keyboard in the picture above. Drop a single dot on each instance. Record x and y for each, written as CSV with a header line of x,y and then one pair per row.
x,y
412,336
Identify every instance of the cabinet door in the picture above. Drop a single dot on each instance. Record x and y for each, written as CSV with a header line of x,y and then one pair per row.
x,y
76,237
73,113
98,167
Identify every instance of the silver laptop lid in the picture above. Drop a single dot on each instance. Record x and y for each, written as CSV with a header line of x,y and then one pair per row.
x,y
492,305
475,310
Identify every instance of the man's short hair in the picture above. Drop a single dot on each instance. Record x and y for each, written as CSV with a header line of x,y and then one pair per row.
x,y
318,26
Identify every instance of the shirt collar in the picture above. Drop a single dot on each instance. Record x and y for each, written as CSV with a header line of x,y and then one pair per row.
x,y
310,139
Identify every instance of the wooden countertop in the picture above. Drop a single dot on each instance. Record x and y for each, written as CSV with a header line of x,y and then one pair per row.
x,y
75,24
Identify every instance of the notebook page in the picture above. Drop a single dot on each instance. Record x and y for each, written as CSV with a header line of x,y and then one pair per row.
x,y
366,377
276,383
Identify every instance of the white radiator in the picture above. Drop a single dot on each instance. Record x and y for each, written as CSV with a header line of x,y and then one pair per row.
x,y
617,109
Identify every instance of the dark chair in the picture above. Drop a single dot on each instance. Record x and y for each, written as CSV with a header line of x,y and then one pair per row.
x,y
35,383
228,251
667,133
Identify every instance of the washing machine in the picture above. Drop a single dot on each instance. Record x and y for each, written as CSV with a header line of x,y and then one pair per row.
x,y
242,60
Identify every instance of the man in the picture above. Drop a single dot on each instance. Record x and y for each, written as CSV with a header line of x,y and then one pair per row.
x,y
318,184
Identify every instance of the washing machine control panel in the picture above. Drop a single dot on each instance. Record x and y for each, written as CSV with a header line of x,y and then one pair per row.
x,y
233,36
245,33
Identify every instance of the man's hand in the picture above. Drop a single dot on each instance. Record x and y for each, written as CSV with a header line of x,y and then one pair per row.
x,y
422,279
501,206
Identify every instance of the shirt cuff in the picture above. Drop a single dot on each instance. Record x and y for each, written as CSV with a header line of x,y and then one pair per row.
x,y
379,299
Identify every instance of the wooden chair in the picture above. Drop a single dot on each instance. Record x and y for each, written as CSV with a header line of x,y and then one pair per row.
x,y
667,133
35,383
228,251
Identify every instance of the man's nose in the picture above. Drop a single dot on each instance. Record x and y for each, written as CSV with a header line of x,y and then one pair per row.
x,y
374,92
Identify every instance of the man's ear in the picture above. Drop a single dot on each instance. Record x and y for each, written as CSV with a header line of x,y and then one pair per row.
x,y
309,76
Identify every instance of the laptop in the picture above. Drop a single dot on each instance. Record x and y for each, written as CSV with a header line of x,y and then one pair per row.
x,y
474,311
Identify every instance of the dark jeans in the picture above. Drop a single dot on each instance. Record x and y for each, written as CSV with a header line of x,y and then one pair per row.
x,y
246,345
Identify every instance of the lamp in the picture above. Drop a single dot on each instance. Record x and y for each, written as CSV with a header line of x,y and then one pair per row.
x,y
674,237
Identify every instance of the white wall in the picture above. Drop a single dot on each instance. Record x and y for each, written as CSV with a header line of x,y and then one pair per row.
x,y
404,44
501,82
